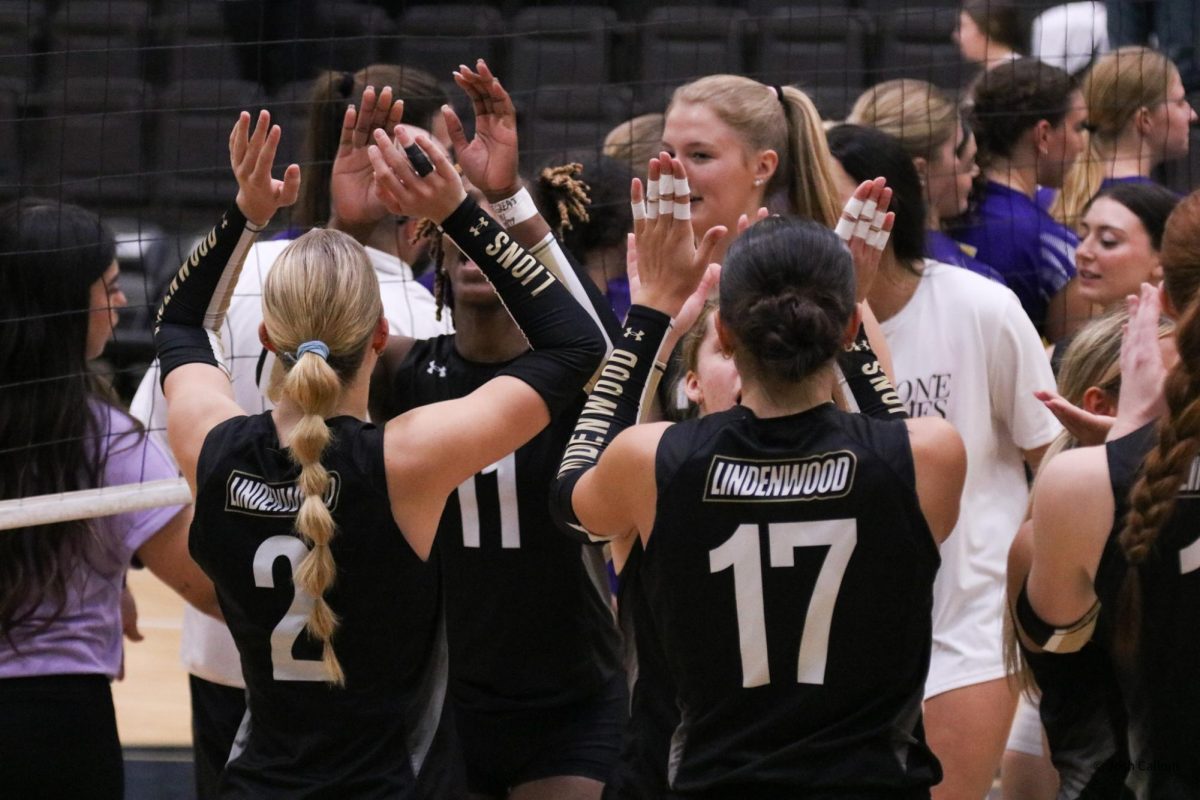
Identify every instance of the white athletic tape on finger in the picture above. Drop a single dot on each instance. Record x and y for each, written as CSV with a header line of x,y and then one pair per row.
x,y
651,192
845,228
666,184
639,211
868,209
852,209
652,210
881,240
683,209
863,228
681,187
666,204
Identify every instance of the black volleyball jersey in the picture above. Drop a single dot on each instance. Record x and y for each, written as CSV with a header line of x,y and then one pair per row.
x,y
528,610
379,736
790,577
1083,714
1162,690
653,716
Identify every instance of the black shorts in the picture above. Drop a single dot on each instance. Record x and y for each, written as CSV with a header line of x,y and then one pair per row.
x,y
503,750
59,738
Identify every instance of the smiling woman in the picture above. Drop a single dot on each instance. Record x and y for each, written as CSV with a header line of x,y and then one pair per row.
x,y
746,145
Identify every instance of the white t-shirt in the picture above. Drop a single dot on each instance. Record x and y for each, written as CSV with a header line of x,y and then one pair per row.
x,y
207,647
964,350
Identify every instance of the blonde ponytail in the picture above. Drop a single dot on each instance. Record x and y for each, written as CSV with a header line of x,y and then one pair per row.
x,y
1082,181
321,306
810,183
1115,89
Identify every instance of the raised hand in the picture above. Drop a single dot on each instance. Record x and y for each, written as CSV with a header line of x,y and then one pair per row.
x,y
489,161
252,156
865,226
402,191
669,264
352,181
1143,371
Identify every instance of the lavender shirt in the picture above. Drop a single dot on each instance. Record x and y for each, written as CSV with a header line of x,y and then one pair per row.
x,y
86,638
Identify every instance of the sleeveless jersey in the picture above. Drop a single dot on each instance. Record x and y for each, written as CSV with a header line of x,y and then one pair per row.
x,y
790,577
653,715
528,611
379,736
1161,691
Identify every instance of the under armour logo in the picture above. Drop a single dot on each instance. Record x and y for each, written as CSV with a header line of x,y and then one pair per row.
x,y
478,227
637,335
433,367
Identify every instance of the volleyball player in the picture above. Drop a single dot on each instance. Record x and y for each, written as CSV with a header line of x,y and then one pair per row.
x,y
1138,118
535,674
315,524
1028,118
1081,750
337,174
1114,543
964,351
794,614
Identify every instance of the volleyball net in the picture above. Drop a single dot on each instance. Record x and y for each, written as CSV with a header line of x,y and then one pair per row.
x,y
125,106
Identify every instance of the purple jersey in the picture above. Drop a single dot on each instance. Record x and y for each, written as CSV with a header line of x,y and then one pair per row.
x,y
941,247
1017,237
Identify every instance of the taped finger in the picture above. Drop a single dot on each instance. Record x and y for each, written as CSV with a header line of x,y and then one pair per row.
x,y
865,217
849,219
682,209
639,211
681,187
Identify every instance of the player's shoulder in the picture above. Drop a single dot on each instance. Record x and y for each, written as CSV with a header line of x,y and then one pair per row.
x,y
967,291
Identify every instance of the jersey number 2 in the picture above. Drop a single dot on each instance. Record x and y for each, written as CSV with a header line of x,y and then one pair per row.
x,y
285,666
741,551
505,471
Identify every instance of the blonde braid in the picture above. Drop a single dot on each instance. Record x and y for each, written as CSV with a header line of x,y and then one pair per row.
x,y
314,387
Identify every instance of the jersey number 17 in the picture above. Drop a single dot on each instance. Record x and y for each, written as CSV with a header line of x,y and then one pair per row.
x,y
742,552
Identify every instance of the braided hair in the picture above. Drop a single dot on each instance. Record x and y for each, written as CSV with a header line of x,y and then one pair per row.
x,y
1153,496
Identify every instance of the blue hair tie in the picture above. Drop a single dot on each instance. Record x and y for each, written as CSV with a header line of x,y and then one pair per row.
x,y
315,346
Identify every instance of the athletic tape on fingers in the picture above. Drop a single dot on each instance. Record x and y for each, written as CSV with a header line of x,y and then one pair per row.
x,y
683,209
881,240
639,211
681,187
865,218
849,218
666,184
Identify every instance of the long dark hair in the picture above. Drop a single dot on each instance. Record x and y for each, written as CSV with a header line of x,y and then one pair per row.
x,y
50,255
867,153
787,294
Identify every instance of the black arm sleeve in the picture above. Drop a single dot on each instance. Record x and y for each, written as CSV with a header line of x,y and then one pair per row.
x,y
869,387
187,327
612,406
567,344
